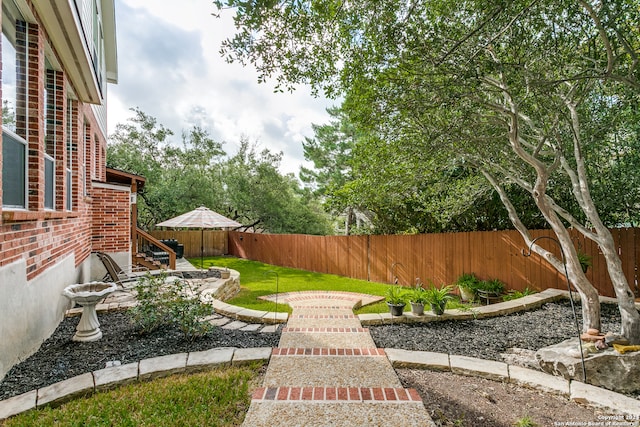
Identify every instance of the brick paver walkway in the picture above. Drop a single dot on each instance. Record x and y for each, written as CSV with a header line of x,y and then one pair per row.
x,y
327,372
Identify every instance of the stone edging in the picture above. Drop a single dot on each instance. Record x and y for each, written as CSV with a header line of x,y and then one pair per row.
x,y
528,302
577,391
144,370
157,367
149,369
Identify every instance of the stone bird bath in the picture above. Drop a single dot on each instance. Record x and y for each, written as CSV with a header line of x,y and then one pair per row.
x,y
88,295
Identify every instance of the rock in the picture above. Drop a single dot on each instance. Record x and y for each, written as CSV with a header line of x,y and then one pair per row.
x,y
611,339
521,357
592,331
601,345
607,368
576,353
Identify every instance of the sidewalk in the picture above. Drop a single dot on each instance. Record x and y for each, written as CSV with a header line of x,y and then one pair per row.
x,y
326,371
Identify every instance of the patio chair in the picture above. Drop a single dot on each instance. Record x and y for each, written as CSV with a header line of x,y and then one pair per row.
x,y
118,275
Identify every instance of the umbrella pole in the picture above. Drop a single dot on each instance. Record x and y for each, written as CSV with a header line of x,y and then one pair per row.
x,y
202,248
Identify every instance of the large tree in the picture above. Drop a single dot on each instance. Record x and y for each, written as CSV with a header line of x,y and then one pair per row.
x,y
331,151
507,87
182,175
263,199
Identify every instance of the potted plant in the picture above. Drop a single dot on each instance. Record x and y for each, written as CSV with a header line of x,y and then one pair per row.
x,y
438,297
418,298
396,300
468,285
585,261
491,290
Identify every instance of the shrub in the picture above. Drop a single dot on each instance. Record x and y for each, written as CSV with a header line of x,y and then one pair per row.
x,y
494,286
164,301
468,280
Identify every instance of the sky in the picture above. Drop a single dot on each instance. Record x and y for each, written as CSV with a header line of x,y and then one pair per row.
x,y
169,67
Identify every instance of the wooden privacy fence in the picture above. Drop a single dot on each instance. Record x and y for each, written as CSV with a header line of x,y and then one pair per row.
x,y
215,242
440,258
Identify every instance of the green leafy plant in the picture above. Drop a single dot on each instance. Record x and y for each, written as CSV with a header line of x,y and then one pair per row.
x,y
438,297
513,294
468,280
585,261
525,421
418,294
494,286
164,300
396,295
468,284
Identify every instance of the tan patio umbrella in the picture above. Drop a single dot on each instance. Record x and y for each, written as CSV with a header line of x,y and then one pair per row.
x,y
201,218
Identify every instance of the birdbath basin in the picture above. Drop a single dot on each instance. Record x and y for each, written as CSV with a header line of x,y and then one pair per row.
x,y
88,295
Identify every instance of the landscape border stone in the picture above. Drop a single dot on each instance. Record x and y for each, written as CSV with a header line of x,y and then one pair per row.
x,y
162,366
615,403
116,376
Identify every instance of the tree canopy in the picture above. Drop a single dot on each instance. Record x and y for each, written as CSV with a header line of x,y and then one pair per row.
x,y
246,186
518,91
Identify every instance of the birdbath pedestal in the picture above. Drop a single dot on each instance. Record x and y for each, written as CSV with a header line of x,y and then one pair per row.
x,y
88,295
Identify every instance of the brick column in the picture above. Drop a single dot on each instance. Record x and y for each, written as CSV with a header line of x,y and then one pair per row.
x,y
56,133
29,106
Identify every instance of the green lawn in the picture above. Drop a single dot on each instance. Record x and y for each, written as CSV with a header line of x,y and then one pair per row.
x,y
258,279
220,397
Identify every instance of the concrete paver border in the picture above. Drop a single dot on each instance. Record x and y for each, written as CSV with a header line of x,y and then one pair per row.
x,y
144,370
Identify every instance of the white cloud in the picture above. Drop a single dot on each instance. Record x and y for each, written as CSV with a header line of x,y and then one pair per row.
x,y
169,67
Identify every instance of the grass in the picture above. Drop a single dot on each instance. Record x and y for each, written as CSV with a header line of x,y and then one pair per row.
x,y
220,397
258,279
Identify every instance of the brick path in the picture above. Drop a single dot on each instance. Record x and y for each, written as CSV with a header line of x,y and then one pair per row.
x,y
327,371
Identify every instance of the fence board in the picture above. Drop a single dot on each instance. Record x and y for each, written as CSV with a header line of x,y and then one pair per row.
x,y
440,258
214,242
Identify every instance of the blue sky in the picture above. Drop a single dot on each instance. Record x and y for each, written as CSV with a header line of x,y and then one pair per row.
x,y
170,68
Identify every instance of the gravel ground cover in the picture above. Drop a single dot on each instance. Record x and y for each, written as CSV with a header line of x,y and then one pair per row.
x,y
490,338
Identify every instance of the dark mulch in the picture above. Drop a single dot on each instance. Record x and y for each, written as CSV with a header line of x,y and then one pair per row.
x,y
60,358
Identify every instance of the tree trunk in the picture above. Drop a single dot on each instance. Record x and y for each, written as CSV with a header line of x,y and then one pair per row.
x,y
630,318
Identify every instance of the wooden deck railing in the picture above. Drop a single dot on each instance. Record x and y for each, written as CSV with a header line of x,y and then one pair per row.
x,y
142,240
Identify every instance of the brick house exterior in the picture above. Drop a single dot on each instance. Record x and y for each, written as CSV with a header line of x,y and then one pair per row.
x,y
58,203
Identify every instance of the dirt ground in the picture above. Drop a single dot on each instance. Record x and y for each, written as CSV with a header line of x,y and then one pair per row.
x,y
456,400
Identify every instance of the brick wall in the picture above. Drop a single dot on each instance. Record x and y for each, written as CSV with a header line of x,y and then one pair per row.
x,y
43,237
111,216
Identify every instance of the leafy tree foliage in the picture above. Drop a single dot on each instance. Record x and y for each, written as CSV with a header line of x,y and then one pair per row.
x,y
261,198
331,152
517,90
247,186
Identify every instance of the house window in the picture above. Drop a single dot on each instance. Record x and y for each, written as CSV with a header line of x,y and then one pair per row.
x,y
49,181
14,146
14,170
97,54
